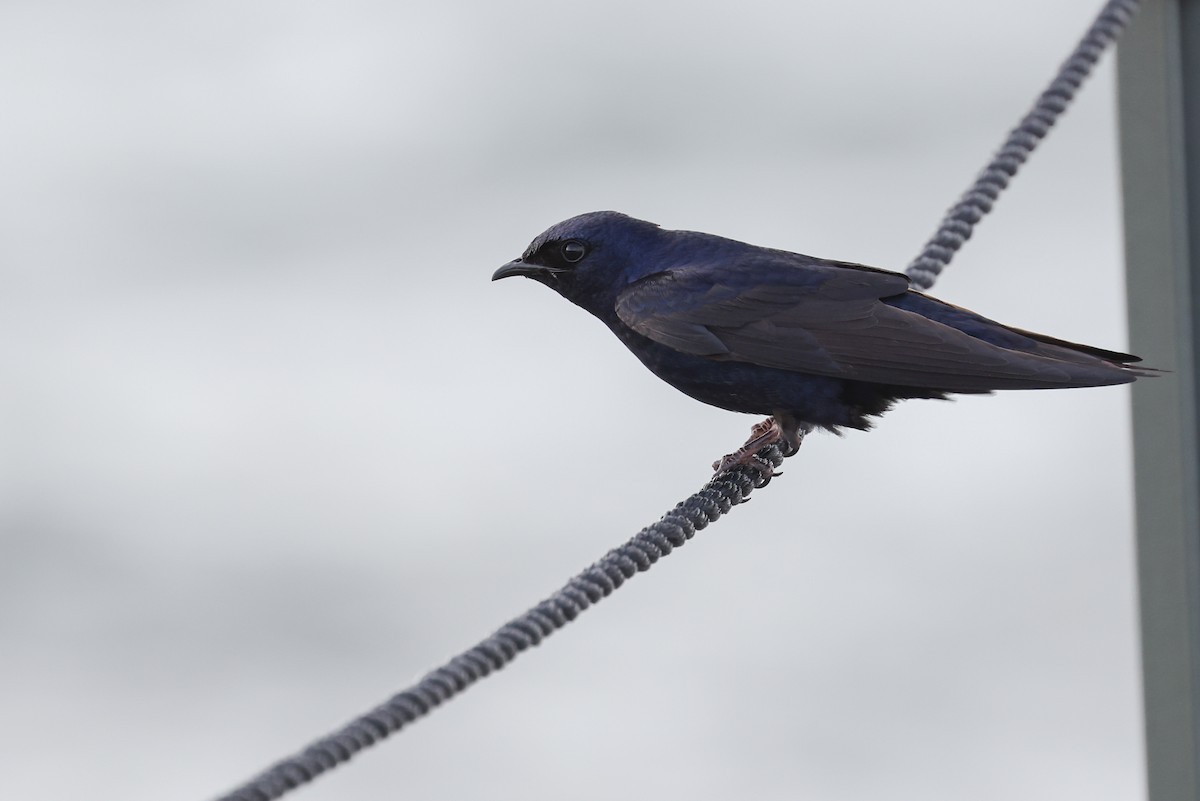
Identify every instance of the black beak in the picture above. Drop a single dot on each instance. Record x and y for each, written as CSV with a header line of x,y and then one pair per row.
x,y
515,267
518,267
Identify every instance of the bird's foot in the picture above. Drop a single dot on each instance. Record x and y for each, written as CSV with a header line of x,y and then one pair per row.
x,y
771,431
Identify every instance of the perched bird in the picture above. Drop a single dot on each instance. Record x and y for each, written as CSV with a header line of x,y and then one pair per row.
x,y
808,341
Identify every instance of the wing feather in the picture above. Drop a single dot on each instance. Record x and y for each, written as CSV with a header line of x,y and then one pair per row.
x,y
830,319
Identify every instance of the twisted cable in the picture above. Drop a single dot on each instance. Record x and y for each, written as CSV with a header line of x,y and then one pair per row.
x,y
718,496
956,227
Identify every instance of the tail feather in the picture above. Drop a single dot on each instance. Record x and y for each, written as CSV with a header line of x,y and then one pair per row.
x,y
1051,362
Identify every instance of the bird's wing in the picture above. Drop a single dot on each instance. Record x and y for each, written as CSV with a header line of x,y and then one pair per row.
x,y
827,318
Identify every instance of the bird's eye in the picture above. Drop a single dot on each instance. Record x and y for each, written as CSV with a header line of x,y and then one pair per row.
x,y
573,250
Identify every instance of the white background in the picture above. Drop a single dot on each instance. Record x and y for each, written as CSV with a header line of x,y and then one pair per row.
x,y
272,445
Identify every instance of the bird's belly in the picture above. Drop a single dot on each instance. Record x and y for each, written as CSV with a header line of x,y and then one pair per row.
x,y
743,387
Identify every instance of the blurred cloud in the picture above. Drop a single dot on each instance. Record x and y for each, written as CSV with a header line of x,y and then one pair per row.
x,y
274,446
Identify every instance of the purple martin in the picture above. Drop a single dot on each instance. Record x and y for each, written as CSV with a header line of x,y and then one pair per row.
x,y
809,341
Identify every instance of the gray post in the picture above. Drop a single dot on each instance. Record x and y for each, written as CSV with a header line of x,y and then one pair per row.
x,y
1158,78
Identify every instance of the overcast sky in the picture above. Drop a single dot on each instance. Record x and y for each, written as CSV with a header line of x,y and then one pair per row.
x,y
274,446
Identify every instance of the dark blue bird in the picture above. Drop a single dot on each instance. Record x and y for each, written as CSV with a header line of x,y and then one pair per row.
x,y
808,341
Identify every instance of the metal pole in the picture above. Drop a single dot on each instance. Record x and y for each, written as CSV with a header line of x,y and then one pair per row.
x,y
1158,79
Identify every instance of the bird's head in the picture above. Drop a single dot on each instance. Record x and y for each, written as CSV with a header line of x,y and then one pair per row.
x,y
590,258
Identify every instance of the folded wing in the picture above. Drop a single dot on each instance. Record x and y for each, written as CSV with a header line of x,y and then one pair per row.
x,y
851,322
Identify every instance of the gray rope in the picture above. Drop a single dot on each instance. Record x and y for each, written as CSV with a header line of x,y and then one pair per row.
x,y
960,220
676,527
716,498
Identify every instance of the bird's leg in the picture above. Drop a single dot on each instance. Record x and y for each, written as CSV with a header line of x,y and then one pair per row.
x,y
763,434
782,429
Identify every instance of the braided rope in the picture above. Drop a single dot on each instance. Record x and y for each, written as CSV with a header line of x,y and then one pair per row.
x,y
657,540
960,220
716,498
